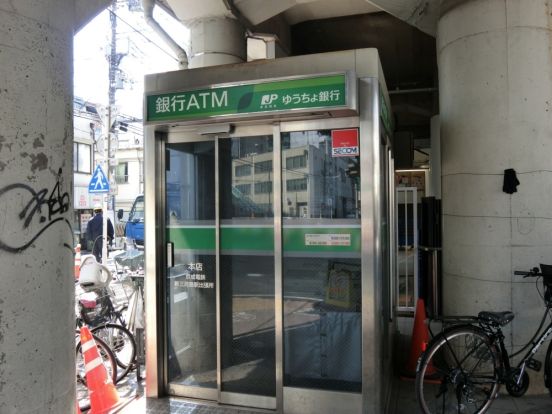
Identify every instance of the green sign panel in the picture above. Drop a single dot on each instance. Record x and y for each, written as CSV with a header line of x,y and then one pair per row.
x,y
284,95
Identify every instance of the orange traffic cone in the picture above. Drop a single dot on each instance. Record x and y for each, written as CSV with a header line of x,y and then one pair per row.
x,y
101,391
77,261
420,338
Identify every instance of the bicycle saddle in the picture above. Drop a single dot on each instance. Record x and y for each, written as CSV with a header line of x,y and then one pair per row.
x,y
499,318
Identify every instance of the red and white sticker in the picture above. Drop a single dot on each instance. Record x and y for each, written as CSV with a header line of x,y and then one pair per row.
x,y
345,143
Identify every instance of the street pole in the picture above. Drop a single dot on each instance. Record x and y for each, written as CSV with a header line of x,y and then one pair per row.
x,y
107,150
112,65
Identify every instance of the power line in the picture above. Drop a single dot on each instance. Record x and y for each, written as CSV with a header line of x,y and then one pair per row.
x,y
82,130
86,115
143,35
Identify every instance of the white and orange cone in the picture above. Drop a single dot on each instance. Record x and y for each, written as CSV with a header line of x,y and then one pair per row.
x,y
101,391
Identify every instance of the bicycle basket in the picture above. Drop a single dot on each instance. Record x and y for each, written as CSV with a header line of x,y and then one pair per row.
x,y
94,312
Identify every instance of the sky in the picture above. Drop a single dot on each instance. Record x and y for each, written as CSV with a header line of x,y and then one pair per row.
x,y
144,53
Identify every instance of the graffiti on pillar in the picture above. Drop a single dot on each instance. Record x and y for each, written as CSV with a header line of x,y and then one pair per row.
x,y
40,211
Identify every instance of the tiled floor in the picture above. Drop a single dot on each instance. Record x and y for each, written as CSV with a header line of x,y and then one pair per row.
x,y
176,406
404,404
403,400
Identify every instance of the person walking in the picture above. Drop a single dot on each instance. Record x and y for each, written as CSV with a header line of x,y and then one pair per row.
x,y
94,232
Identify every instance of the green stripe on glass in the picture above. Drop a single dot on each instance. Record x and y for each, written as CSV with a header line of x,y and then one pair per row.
x,y
247,238
193,238
313,239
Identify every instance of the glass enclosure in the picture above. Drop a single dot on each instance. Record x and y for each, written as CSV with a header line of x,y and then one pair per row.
x,y
228,253
321,264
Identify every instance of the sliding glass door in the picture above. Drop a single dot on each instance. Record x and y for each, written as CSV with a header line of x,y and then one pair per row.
x,y
263,267
247,330
191,352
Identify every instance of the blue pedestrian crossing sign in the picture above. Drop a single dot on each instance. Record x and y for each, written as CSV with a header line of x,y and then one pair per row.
x,y
98,183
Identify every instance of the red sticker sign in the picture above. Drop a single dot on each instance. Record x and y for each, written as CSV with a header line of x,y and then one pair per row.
x,y
345,143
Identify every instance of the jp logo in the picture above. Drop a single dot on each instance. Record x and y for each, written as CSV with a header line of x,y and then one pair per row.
x,y
41,210
269,99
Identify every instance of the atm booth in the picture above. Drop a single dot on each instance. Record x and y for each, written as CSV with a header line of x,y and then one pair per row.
x,y
270,234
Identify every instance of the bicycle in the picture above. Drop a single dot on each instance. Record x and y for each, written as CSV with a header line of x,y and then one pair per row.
x,y
129,268
465,364
100,314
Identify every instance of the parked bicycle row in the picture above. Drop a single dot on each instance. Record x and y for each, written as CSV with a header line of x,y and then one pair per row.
x,y
106,302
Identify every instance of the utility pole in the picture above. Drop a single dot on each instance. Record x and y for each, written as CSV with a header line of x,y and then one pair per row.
x,y
113,63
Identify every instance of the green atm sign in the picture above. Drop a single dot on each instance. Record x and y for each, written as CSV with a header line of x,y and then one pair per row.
x,y
318,92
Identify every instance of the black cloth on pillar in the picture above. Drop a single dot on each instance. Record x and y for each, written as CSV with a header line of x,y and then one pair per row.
x,y
510,181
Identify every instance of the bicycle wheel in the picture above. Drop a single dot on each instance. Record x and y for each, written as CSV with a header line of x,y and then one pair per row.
x,y
462,364
122,343
548,369
109,363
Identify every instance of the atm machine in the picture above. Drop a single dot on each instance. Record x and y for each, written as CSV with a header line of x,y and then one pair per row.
x,y
270,235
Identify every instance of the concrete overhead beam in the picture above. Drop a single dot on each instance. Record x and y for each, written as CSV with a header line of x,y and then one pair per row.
x,y
422,14
86,10
188,11
259,11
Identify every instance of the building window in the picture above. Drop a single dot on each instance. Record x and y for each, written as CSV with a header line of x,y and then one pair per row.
x,y
82,159
266,208
249,147
243,170
299,161
245,189
299,184
263,167
263,187
121,173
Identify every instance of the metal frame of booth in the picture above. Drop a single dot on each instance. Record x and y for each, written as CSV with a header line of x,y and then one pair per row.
x,y
365,108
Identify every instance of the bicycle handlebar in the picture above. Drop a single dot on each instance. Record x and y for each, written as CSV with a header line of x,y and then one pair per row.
x,y
534,272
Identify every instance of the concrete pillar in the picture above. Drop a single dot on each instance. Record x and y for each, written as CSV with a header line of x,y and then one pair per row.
x,y
37,370
495,80
216,41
